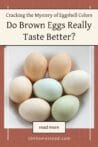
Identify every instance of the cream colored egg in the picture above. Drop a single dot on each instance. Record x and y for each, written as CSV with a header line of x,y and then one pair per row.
x,y
20,89
35,66
65,108
76,82
59,66
48,89
34,109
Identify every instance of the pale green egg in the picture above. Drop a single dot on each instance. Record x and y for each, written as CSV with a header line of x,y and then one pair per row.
x,y
48,89
65,108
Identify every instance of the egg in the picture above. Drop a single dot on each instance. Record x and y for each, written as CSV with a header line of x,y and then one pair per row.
x,y
76,82
59,66
65,108
48,89
35,66
34,109
20,89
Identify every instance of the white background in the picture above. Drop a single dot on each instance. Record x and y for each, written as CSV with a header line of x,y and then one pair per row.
x,y
82,57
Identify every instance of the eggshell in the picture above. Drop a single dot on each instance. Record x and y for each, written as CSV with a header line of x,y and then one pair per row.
x,y
34,109
48,89
35,66
65,108
20,89
76,82
59,66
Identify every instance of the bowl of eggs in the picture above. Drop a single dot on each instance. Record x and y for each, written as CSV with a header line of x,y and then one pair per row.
x,y
49,88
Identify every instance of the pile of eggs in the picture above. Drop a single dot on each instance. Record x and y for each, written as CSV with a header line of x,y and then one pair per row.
x,y
57,95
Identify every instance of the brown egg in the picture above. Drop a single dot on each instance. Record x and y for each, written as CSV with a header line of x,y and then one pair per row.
x,y
35,66
20,89
59,66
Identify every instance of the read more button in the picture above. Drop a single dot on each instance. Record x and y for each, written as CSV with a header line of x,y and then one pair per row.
x,y
48,127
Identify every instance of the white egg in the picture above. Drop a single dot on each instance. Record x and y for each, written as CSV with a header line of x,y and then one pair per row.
x,y
48,89
20,89
34,109
76,82
65,108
